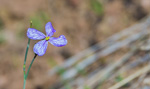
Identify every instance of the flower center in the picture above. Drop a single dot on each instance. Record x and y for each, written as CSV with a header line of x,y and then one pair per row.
x,y
47,38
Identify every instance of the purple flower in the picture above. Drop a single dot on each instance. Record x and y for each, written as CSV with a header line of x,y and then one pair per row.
x,y
41,46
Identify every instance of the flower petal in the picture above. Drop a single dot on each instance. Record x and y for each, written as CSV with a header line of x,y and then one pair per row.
x,y
49,29
60,41
35,34
40,47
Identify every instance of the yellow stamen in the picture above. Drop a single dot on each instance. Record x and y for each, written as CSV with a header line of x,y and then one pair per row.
x,y
47,38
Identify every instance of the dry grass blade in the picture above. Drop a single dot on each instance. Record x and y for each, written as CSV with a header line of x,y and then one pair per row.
x,y
71,73
106,43
105,73
144,70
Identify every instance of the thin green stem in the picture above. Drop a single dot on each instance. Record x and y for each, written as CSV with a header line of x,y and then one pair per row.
x,y
24,84
30,66
26,75
24,65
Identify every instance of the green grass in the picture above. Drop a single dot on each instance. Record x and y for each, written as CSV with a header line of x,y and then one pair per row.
x,y
97,7
86,87
2,38
119,78
61,71
39,20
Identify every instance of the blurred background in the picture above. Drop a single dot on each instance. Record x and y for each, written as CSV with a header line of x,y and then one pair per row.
x,y
108,42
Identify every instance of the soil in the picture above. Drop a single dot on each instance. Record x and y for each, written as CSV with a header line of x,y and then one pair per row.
x,y
78,20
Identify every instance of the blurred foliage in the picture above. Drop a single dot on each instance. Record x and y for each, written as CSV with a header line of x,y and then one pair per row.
x,y
119,78
39,20
82,72
2,38
67,86
1,24
97,7
61,71
86,87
